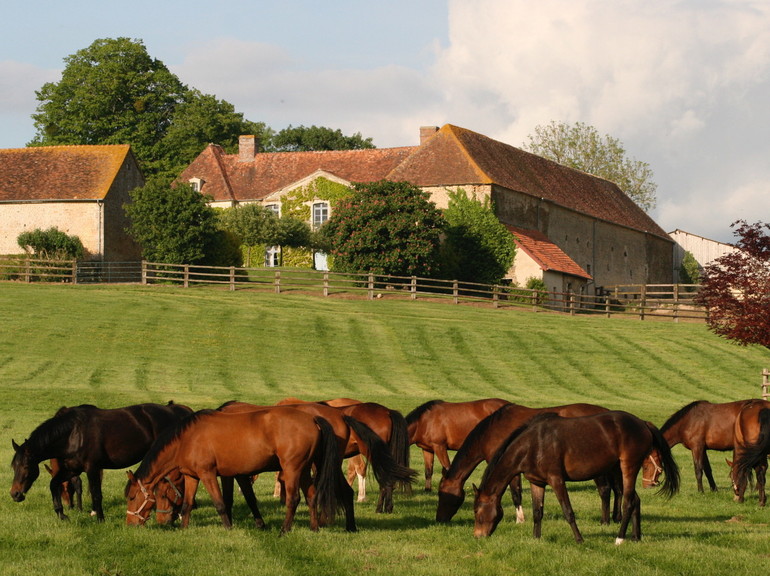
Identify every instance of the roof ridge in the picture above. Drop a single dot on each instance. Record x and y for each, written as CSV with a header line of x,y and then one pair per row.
x,y
453,131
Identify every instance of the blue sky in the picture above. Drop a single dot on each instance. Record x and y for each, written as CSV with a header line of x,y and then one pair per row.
x,y
684,85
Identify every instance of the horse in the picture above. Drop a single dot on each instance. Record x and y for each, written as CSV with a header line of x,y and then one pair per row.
x,y
213,443
485,440
89,439
438,426
71,490
752,445
551,450
389,425
698,426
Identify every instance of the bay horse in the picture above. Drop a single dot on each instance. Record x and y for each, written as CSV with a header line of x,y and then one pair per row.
x,y
552,450
89,439
213,443
486,439
71,490
751,447
699,426
438,426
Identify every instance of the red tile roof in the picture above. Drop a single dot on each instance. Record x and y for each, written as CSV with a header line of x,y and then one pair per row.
x,y
545,253
59,172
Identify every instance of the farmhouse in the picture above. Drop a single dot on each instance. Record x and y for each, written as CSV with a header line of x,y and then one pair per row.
x,y
704,250
80,190
578,232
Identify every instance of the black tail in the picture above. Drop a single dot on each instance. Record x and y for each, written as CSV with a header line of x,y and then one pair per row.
x,y
399,447
385,467
670,485
328,463
753,453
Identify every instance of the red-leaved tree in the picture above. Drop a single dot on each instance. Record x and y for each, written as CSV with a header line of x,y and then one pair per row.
x,y
736,287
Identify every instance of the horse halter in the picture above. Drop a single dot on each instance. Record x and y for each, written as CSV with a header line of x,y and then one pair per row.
x,y
176,502
148,501
654,480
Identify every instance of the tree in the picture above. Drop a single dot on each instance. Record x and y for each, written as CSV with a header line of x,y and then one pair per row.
x,y
303,139
477,247
385,228
581,147
689,271
173,224
52,244
736,288
114,92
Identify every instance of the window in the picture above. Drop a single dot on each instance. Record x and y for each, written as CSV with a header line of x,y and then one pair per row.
x,y
196,183
274,208
272,256
320,214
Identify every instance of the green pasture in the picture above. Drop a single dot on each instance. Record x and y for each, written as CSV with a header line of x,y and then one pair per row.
x,y
119,345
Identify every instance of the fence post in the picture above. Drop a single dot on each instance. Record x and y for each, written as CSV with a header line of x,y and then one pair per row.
x,y
456,291
533,295
607,304
144,272
676,303
186,276
765,384
571,304
371,286
28,272
232,278
74,271
413,288
495,296
277,282
643,300
326,283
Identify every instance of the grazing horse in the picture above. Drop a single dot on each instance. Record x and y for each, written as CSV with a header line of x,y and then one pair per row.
x,y
551,450
438,426
89,439
212,443
389,425
71,490
484,442
698,426
752,445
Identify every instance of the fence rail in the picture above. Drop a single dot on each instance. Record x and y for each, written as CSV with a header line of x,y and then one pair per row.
x,y
659,301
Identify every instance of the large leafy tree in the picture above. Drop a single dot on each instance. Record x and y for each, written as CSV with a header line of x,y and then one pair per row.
x,y
385,227
303,139
736,287
477,247
580,146
114,92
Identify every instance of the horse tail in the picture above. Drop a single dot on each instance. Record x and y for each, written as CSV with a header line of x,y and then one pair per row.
x,y
328,464
399,447
753,453
670,485
385,467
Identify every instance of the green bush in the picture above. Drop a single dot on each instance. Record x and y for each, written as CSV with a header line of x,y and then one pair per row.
x,y
51,244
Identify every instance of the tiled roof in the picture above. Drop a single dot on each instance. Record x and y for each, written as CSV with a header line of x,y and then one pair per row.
x,y
59,172
227,177
545,253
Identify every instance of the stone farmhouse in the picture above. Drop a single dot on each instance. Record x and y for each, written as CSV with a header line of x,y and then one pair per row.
x,y
577,232
80,190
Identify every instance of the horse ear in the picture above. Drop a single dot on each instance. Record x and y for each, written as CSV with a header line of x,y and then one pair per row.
x,y
15,446
130,475
730,464
475,491
47,467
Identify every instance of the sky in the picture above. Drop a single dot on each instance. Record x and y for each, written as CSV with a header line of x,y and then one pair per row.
x,y
684,85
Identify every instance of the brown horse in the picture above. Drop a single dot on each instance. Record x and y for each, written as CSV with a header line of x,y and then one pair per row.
x,y
484,442
89,439
438,426
752,445
212,443
698,426
71,490
551,450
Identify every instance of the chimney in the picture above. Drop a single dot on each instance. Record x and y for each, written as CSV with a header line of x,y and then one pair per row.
x,y
247,148
426,132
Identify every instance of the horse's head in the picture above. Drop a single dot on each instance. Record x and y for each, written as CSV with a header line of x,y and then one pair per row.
x,y
450,498
488,512
739,483
651,470
25,471
169,497
140,501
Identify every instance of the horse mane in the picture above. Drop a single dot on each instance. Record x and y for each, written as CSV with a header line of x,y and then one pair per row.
x,y
166,437
415,414
679,414
481,429
225,405
57,427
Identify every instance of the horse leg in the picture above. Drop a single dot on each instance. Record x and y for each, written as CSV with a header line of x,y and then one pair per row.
x,y
427,458
515,487
228,488
95,488
605,493
630,504
292,487
76,498
247,489
538,500
707,471
385,501
761,472
209,480
697,459
636,519
357,470
190,488
56,488
560,489
346,496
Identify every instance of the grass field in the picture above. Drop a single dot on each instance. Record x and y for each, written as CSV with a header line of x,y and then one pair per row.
x,y
112,346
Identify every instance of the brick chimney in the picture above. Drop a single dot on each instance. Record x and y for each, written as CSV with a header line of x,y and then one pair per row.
x,y
426,132
247,148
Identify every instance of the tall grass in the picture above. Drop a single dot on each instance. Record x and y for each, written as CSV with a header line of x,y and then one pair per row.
x,y
112,346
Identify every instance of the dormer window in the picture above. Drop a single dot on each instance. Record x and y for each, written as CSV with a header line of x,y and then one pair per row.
x,y
196,183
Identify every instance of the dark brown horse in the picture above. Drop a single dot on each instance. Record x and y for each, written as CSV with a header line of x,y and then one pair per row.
x,y
698,426
752,445
438,426
551,450
389,425
89,439
483,443
212,443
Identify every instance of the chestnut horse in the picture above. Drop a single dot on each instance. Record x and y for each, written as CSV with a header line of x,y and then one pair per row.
x,y
438,426
89,439
752,445
698,426
212,443
484,442
551,450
